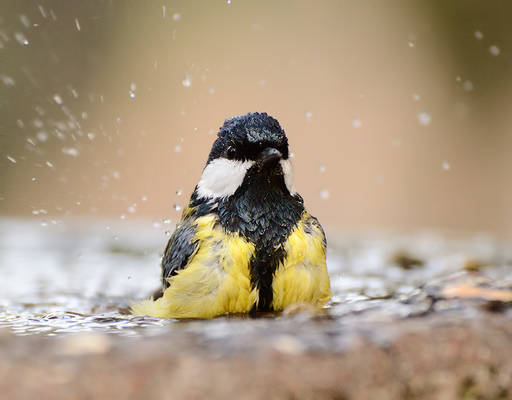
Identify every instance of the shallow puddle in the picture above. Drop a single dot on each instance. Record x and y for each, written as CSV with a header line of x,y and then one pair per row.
x,y
81,276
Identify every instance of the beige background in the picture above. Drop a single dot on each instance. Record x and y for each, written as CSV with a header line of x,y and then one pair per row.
x,y
316,66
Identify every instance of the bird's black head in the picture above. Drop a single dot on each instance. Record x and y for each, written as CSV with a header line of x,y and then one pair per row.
x,y
245,137
248,148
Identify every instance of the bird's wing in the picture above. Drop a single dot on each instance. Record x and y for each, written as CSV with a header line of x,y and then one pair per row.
x,y
180,248
313,227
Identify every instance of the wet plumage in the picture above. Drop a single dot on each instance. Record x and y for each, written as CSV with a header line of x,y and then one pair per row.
x,y
245,242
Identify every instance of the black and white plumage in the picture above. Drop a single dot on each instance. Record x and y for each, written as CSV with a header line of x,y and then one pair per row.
x,y
241,229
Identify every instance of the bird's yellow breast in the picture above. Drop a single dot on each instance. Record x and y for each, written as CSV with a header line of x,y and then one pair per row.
x,y
302,277
217,279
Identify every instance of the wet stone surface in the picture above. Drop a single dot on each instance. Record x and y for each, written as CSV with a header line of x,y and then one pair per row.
x,y
411,315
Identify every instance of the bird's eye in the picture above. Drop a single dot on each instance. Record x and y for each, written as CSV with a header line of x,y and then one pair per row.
x,y
230,152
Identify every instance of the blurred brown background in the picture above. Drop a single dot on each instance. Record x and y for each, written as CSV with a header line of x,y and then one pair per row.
x,y
398,112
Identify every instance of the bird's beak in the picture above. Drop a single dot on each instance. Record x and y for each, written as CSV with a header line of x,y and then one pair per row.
x,y
269,157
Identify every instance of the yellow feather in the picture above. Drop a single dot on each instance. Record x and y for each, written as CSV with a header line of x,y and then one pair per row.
x,y
302,277
217,279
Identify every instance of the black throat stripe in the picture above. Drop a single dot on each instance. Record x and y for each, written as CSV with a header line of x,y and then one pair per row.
x,y
264,212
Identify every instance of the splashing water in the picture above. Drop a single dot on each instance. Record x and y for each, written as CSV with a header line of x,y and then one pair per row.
x,y
7,80
70,151
494,50
424,118
21,39
187,82
468,86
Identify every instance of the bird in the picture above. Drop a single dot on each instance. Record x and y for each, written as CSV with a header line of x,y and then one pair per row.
x,y
245,243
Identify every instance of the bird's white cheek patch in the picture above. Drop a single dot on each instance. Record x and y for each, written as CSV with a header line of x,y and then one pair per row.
x,y
222,177
286,166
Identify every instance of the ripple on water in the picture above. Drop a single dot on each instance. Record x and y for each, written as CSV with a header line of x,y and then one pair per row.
x,y
75,277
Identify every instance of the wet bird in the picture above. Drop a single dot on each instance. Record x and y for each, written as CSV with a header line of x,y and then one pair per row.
x,y
245,242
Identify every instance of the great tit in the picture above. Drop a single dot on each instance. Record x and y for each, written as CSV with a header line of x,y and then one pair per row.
x,y
245,242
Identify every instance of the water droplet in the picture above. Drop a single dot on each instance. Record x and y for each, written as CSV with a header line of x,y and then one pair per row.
x,y
177,148
42,136
42,11
156,224
494,50
458,78
49,164
144,198
211,90
91,136
228,2
35,212
24,20
479,35
133,87
7,80
11,159
166,221
291,155
77,24
164,11
70,151
132,208
116,174
424,118
176,16
356,123
176,206
322,168
324,194
411,44
57,99
186,81
179,192
416,97
167,233
44,223
309,115
468,86
446,166
122,216
20,37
